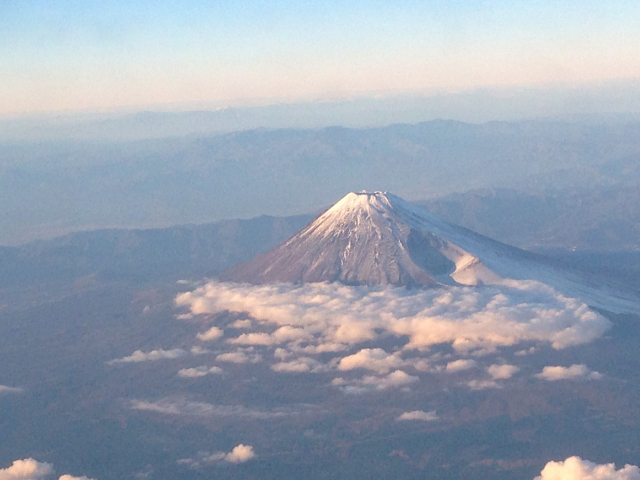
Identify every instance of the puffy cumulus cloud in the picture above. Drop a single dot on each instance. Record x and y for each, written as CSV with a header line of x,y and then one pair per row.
x,y
27,469
238,357
468,318
328,347
282,353
7,389
526,351
482,384
397,378
239,454
198,371
299,365
31,469
212,334
502,372
198,350
153,355
375,359
354,332
368,383
458,365
554,373
575,468
281,335
244,323
418,415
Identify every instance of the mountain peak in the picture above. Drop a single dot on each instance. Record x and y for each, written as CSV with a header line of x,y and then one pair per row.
x,y
361,200
370,238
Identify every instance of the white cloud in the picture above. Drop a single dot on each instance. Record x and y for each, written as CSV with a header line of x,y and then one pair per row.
x,y
27,469
502,372
260,338
368,383
283,334
198,350
281,353
198,371
239,454
153,355
30,469
458,365
418,415
212,334
299,365
354,332
328,347
238,357
482,384
246,323
467,318
423,365
394,379
574,468
6,389
181,406
554,373
300,322
375,359
527,351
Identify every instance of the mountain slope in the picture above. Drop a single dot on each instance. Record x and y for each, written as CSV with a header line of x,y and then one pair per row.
x,y
187,250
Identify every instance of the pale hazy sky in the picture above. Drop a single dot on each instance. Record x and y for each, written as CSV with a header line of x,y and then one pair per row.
x,y
76,54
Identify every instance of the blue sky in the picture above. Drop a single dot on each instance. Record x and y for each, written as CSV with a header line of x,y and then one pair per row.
x,y
80,55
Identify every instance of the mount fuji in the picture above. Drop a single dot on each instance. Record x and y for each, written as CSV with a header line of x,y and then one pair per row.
x,y
377,238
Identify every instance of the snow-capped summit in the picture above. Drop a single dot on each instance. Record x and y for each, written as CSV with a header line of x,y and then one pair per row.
x,y
377,238
372,238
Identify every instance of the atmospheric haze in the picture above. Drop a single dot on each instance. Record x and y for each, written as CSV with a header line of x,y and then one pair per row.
x,y
194,284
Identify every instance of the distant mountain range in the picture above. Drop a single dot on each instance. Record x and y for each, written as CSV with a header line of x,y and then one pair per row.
x,y
50,189
189,250
603,218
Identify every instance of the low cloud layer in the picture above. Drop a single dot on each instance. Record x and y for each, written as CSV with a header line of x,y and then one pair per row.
x,y
240,454
575,468
467,318
315,328
555,373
